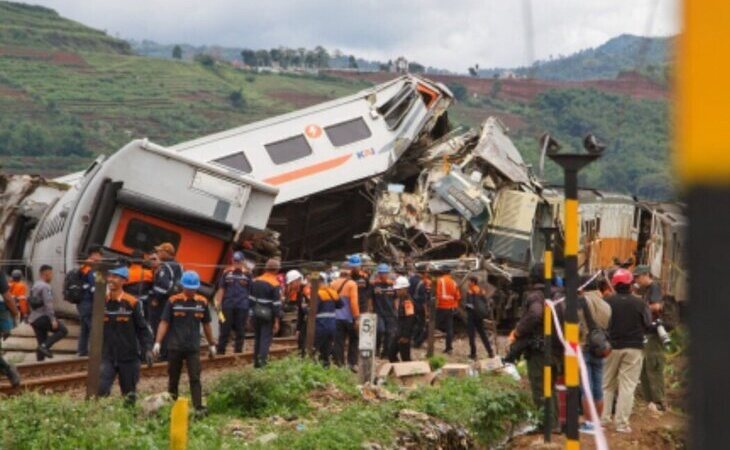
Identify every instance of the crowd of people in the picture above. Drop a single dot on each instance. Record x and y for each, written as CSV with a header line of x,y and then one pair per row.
x,y
622,330
154,310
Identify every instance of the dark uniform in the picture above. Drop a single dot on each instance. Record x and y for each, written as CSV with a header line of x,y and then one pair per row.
x,y
476,311
652,372
300,300
165,284
406,321
126,338
184,316
326,323
84,309
266,298
364,290
236,285
422,299
529,332
384,303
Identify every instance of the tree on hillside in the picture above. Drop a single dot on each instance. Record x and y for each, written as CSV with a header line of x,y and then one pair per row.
x,y
352,62
322,58
177,52
205,60
496,88
248,57
310,59
414,67
262,58
459,91
275,55
473,72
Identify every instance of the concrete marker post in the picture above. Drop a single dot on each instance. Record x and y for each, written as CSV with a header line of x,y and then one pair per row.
x,y
366,346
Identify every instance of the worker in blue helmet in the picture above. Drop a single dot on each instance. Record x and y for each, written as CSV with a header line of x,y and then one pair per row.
x,y
181,320
384,304
127,338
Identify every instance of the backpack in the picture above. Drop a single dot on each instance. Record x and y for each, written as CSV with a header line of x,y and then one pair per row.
x,y
597,339
73,287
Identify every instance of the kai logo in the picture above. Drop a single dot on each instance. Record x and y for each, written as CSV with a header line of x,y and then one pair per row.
x,y
313,131
365,153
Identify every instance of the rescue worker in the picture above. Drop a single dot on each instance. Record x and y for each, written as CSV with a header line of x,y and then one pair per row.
x,y
652,372
43,317
297,294
364,289
346,331
326,320
8,320
266,315
165,283
528,335
448,297
86,304
232,299
139,283
406,319
19,292
422,299
126,338
180,323
477,309
384,305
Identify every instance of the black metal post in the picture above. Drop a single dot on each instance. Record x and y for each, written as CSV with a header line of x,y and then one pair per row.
x,y
571,164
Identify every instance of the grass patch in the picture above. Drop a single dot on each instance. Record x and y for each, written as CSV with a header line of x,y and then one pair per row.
x,y
280,389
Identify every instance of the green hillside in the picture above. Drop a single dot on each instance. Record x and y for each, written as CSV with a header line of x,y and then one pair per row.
x,y
620,54
68,92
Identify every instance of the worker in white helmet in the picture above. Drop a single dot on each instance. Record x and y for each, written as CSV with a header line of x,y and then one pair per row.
x,y
406,319
297,295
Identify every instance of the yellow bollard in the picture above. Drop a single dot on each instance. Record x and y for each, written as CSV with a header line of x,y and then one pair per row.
x,y
179,425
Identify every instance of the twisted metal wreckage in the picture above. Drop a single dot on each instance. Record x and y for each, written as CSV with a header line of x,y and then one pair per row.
x,y
381,172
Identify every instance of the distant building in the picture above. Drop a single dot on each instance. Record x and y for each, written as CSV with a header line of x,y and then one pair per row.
x,y
509,75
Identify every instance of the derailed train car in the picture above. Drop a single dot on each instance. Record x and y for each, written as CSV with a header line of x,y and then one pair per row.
x,y
139,197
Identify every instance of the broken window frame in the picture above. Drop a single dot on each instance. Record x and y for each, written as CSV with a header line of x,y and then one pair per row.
x,y
276,153
341,126
245,167
398,107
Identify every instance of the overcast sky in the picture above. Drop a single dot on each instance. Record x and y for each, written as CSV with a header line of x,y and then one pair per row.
x,y
451,34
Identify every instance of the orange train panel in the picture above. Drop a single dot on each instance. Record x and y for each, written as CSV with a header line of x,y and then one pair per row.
x,y
198,251
603,251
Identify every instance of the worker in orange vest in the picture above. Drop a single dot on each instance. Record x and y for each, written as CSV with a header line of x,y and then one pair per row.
x,y
448,297
140,281
19,292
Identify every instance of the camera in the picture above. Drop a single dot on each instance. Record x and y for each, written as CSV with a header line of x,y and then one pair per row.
x,y
662,332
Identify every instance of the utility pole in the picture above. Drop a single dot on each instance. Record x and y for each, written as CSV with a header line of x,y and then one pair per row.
x,y
96,337
571,164
702,162
548,232
312,314
431,305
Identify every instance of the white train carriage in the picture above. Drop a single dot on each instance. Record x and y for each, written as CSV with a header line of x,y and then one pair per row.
x,y
139,197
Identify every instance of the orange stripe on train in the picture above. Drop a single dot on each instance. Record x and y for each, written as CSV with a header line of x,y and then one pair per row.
x,y
307,171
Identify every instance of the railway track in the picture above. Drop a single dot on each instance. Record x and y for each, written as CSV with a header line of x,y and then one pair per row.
x,y
62,375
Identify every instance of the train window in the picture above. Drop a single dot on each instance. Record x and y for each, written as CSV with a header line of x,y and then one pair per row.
x,y
236,161
145,236
395,109
345,133
288,150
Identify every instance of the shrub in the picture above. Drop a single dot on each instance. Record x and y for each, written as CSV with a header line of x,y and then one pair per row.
x,y
436,362
278,389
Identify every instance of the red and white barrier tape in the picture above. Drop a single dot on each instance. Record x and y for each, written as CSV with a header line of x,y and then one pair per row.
x,y
599,436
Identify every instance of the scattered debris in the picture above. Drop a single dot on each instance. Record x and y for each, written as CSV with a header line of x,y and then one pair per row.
x,y
429,432
153,403
457,370
373,393
408,373
240,430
